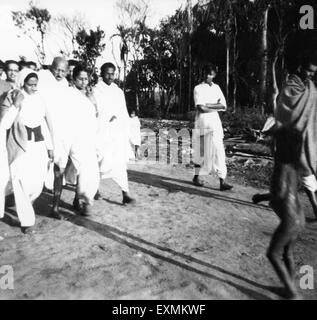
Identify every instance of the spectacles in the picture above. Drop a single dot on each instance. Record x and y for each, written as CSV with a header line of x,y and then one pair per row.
x,y
12,70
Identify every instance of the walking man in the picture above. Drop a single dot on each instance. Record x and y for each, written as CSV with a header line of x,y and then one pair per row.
x,y
114,131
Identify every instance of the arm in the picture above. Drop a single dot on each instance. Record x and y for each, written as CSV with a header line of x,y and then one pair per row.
x,y
211,107
48,134
91,97
10,108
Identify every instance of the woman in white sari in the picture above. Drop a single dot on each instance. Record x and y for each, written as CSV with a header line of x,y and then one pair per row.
x,y
24,125
84,169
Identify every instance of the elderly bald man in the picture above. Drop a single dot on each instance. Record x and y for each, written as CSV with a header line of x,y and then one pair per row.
x,y
59,99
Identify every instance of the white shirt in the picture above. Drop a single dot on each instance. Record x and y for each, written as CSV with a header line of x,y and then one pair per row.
x,y
58,98
111,101
203,94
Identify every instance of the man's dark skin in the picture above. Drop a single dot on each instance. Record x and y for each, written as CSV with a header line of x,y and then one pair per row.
x,y
305,73
285,203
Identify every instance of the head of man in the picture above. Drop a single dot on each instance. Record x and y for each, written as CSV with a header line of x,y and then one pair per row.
x,y
11,70
80,77
107,72
32,65
59,68
308,68
210,72
23,64
71,66
30,83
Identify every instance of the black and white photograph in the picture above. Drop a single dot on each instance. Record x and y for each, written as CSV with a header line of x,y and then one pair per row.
x,y
161,150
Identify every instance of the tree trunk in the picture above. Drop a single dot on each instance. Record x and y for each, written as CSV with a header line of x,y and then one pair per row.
x,y
264,62
43,48
227,65
190,27
235,58
275,90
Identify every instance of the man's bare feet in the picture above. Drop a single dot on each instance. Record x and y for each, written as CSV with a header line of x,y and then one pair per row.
x,y
27,230
127,199
55,214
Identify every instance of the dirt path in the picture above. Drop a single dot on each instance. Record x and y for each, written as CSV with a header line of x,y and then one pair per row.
x,y
178,242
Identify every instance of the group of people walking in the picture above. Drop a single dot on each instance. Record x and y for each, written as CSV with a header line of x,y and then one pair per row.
x,y
83,134
47,121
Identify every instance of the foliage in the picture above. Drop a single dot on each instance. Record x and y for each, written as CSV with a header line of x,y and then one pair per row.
x,y
34,20
90,46
249,118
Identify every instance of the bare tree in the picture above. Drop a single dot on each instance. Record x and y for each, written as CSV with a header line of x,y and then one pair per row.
x,y
132,29
70,26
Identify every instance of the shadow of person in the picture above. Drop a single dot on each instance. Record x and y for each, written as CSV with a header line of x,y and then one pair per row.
x,y
173,185
10,218
146,247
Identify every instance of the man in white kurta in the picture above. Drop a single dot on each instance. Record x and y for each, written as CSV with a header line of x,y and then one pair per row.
x,y
114,131
209,152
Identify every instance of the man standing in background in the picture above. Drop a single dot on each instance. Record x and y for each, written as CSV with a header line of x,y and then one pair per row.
x,y
209,151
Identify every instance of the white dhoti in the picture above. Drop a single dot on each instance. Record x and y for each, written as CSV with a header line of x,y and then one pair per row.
x,y
114,151
113,136
310,183
209,153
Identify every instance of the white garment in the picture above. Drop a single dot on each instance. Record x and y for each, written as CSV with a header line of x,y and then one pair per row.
x,y
135,131
61,109
310,183
135,135
83,151
22,75
113,142
27,173
208,134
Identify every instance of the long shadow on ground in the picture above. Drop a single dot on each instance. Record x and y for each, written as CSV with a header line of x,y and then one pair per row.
x,y
43,208
171,185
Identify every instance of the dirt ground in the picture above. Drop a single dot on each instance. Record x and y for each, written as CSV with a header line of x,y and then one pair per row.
x,y
178,242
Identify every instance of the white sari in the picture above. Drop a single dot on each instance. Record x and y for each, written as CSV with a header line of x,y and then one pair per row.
x,y
83,152
27,172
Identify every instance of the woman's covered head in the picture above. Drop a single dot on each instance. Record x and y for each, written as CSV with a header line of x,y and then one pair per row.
x,y
30,83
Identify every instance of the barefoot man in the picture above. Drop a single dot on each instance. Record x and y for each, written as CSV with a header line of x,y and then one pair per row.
x,y
114,131
295,155
297,108
62,107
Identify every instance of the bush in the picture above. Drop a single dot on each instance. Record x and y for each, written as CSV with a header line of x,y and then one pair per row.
x,y
237,122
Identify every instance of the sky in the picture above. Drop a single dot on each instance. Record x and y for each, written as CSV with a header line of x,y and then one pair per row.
x,y
95,12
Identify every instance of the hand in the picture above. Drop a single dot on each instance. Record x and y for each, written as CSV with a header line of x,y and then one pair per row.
x,y
50,155
113,118
17,98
